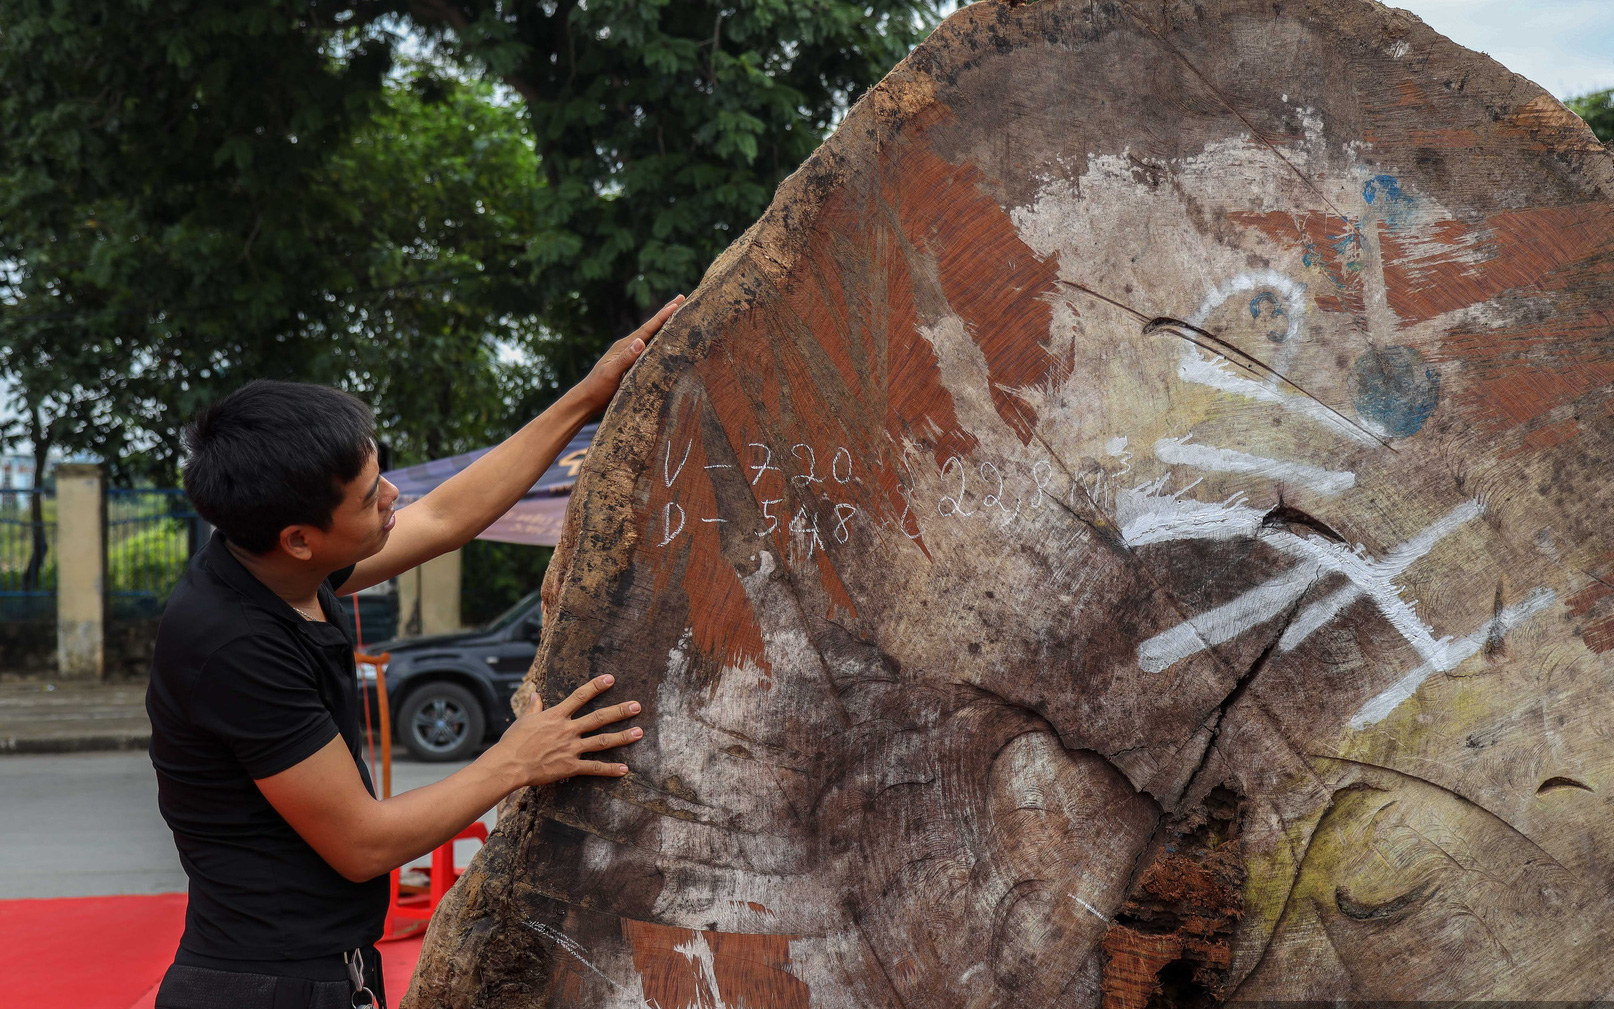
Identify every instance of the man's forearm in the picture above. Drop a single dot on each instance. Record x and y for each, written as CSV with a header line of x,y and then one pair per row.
x,y
422,819
473,499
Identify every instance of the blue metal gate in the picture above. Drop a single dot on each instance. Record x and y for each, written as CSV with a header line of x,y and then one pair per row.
x,y
151,534
27,555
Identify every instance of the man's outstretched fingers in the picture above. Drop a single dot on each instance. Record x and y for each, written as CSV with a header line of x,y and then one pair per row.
x,y
587,692
610,740
655,321
605,716
600,767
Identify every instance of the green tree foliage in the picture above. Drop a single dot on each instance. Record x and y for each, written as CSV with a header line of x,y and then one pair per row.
x,y
1597,109
193,193
443,185
662,129
166,216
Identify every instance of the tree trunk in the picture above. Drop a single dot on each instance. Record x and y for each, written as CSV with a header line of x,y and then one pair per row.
x,y
41,437
1127,527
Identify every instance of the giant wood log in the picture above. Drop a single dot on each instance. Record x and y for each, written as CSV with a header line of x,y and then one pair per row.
x,y
1129,524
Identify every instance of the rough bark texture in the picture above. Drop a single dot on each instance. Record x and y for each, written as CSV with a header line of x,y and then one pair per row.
x,y
1127,527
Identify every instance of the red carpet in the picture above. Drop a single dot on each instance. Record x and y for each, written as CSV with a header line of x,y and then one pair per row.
x,y
110,952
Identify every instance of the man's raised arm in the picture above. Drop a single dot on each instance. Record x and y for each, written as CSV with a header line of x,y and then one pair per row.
x,y
465,504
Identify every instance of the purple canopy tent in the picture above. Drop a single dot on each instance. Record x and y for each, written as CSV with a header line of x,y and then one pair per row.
x,y
536,519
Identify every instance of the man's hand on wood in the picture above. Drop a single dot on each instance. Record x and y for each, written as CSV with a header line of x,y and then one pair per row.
x,y
601,383
546,745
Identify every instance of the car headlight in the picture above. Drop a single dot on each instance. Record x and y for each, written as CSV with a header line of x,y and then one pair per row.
x,y
367,672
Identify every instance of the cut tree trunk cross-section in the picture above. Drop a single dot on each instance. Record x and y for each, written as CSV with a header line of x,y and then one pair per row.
x,y
1127,527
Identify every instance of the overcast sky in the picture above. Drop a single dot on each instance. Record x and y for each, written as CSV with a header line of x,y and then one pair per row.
x,y
1566,46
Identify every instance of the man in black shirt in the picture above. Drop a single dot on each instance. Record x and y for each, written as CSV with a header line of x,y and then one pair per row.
x,y
253,698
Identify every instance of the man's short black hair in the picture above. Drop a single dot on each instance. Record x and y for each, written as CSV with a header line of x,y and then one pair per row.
x,y
274,454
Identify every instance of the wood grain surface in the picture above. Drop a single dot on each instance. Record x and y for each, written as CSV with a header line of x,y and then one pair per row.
x,y
1127,527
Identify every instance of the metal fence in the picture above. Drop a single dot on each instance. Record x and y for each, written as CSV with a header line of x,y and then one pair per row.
x,y
151,534
27,555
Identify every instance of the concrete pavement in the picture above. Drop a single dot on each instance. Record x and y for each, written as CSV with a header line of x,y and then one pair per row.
x,y
73,716
86,824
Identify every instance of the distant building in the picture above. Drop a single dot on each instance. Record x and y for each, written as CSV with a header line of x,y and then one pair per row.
x,y
16,473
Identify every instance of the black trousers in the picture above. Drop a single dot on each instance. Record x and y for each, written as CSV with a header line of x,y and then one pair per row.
x,y
198,982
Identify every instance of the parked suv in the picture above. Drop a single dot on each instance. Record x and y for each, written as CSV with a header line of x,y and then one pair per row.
x,y
449,693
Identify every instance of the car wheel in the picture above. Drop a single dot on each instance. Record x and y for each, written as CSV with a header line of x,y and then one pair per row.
x,y
441,721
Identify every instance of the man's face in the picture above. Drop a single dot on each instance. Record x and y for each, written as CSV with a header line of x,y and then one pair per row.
x,y
361,524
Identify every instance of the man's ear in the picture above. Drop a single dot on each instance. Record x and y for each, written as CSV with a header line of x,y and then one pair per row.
x,y
294,540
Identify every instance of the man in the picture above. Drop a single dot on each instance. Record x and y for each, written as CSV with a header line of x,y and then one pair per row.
x,y
253,698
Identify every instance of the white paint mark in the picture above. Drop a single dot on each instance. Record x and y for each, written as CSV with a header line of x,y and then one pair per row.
x,y
1311,124
1377,709
835,465
764,565
1396,561
1294,308
1101,915
1215,371
1042,474
667,475
1227,621
668,531
1177,451
773,520
699,953
1116,447
766,463
678,654
808,533
1148,516
956,503
1399,49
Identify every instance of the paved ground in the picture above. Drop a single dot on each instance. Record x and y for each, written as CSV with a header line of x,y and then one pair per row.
x,y
67,717
86,824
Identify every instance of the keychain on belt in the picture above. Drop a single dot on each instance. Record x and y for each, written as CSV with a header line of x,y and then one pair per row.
x,y
355,973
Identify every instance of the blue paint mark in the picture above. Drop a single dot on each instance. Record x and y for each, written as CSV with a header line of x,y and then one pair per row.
x,y
1394,205
1388,183
1346,261
1268,302
1395,390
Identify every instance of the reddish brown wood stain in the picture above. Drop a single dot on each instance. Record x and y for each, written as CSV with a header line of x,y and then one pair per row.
x,y
721,621
1598,632
991,279
1132,965
874,361
749,969
1515,249
1517,374
1330,245
1184,909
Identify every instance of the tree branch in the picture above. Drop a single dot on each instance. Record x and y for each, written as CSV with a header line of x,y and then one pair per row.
x,y
455,18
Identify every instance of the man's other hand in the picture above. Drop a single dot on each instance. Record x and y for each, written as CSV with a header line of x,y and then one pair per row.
x,y
546,745
601,383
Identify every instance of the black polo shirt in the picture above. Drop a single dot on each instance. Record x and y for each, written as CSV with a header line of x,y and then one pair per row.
x,y
244,687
